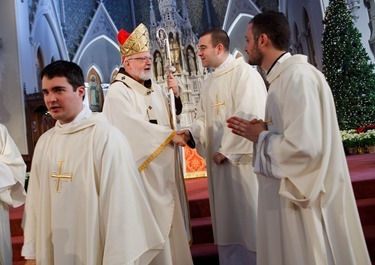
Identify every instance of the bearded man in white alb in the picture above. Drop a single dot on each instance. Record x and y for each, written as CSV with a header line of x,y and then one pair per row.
x,y
140,109
307,213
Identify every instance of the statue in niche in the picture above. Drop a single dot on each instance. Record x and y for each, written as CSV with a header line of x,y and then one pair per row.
x,y
175,53
94,94
159,66
191,62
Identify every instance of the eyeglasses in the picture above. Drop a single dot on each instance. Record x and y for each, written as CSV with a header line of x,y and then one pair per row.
x,y
141,59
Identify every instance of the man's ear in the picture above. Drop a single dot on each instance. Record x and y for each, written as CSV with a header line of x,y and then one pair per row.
x,y
263,39
220,48
126,63
81,91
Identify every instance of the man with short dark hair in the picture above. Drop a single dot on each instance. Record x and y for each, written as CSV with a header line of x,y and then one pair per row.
x,y
307,213
233,88
85,202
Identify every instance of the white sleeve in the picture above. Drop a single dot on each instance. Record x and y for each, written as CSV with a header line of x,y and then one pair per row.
x,y
263,162
28,250
6,183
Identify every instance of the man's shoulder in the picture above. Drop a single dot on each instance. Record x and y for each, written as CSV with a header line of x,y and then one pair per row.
x,y
45,137
105,132
100,121
239,65
116,88
245,70
298,65
117,84
102,125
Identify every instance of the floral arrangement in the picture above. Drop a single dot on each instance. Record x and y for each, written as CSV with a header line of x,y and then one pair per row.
x,y
358,139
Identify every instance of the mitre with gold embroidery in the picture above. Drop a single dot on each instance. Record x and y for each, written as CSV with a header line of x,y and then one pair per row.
x,y
136,42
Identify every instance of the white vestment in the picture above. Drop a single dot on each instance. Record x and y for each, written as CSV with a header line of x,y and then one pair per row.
x,y
12,179
234,90
86,203
307,211
128,108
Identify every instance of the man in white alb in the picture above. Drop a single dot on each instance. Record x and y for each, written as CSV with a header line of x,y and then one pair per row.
x,y
140,109
307,213
233,88
12,180
85,201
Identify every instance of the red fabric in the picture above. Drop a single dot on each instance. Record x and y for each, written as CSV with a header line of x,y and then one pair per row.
x,y
122,36
365,128
194,162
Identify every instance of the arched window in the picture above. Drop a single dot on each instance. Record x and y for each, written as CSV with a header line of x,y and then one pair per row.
x,y
94,91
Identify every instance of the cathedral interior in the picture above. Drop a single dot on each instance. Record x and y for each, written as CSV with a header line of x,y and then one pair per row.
x,y
85,32
34,33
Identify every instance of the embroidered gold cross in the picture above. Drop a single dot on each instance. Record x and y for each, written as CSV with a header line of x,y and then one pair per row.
x,y
60,176
218,104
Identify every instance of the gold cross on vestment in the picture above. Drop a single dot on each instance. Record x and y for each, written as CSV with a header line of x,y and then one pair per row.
x,y
60,176
218,104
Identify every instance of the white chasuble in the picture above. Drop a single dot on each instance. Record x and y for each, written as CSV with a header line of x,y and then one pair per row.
x,y
12,179
234,90
127,106
86,203
307,211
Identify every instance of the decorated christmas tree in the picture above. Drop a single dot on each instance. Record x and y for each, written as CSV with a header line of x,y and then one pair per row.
x,y
348,68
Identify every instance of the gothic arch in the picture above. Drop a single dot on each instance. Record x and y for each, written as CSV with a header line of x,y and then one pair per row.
x,y
94,70
237,30
309,38
113,74
88,54
46,28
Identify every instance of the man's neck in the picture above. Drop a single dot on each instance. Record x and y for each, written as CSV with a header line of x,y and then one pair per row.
x,y
271,59
227,58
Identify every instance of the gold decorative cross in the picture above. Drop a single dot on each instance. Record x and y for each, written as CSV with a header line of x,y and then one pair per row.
x,y
218,104
60,176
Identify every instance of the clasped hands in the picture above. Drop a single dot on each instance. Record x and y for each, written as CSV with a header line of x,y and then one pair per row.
x,y
181,137
249,129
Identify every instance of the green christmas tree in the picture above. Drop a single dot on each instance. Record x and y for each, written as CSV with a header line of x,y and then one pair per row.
x,y
347,68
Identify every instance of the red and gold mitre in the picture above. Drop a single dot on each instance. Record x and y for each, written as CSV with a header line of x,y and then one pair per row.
x,y
136,42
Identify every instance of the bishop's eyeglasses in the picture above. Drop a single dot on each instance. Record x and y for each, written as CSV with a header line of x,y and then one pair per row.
x,y
141,59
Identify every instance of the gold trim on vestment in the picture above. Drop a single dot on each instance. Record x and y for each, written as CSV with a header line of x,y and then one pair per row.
x,y
156,153
196,174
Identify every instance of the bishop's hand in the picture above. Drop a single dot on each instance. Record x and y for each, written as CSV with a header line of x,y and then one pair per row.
x,y
180,138
172,84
